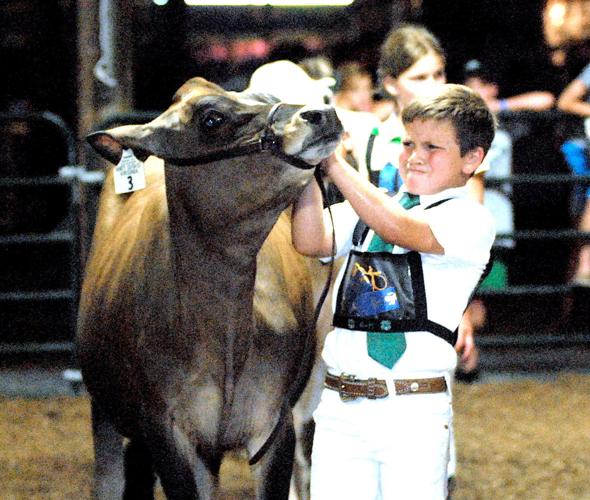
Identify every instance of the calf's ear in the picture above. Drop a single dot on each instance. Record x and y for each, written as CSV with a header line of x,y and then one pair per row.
x,y
110,143
106,145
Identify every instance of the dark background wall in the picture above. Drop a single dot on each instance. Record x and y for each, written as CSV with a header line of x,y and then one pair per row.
x,y
507,35
38,49
38,55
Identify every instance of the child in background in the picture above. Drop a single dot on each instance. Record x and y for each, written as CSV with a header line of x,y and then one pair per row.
x,y
411,64
481,78
354,88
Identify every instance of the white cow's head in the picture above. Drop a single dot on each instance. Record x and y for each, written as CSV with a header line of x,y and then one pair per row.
x,y
290,83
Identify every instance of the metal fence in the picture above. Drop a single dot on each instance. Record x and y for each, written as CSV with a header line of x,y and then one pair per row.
x,y
38,234
538,310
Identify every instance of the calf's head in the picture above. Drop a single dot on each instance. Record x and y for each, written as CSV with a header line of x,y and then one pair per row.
x,y
230,154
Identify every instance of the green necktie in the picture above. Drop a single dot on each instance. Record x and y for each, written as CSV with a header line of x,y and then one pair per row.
x,y
387,348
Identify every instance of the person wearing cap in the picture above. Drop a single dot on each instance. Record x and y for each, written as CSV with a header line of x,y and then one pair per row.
x,y
481,78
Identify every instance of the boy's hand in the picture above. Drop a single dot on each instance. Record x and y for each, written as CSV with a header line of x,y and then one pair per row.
x,y
338,156
329,162
465,346
473,319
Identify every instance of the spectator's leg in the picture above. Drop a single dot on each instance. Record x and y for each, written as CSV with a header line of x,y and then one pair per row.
x,y
576,154
582,276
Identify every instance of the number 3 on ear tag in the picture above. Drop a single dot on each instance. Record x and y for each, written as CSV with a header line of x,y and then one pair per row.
x,y
129,173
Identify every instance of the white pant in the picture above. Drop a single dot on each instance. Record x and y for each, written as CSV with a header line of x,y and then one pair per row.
x,y
452,468
391,448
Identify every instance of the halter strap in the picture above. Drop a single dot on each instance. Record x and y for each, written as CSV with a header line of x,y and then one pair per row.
x,y
267,141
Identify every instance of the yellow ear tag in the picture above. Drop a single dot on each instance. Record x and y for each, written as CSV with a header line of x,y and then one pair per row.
x,y
129,173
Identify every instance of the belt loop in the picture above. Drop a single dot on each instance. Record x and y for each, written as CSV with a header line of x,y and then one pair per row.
x,y
371,388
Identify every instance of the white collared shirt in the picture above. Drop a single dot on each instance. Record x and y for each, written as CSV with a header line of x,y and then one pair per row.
x,y
465,229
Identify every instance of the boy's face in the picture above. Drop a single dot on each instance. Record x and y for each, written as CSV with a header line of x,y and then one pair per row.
x,y
423,78
431,159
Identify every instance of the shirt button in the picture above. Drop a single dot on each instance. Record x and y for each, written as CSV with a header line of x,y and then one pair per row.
x,y
414,386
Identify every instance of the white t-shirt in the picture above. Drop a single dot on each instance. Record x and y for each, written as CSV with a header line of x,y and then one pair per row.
x,y
465,229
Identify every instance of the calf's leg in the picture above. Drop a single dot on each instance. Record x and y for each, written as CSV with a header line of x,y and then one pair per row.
x,y
184,473
302,464
304,430
140,477
109,476
273,471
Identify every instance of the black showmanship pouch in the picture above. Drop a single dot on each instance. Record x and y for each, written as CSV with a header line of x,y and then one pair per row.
x,y
384,292
380,292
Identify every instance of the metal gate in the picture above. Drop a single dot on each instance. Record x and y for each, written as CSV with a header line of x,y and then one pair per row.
x,y
540,320
39,269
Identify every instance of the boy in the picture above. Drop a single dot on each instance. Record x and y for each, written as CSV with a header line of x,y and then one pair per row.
x,y
382,426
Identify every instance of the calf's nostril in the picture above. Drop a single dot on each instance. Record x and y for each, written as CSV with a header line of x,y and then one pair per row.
x,y
313,117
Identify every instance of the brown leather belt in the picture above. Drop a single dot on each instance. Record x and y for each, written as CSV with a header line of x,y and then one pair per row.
x,y
349,387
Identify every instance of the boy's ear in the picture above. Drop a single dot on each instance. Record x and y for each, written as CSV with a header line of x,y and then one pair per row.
x,y
390,85
472,160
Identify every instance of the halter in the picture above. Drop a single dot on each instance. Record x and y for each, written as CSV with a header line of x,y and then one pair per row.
x,y
268,141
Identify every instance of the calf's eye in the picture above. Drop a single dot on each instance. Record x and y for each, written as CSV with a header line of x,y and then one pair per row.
x,y
212,120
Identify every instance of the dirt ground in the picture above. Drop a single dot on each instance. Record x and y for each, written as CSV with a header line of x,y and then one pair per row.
x,y
520,439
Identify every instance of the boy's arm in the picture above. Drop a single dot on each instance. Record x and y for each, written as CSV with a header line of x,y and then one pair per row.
x,y
379,211
309,233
